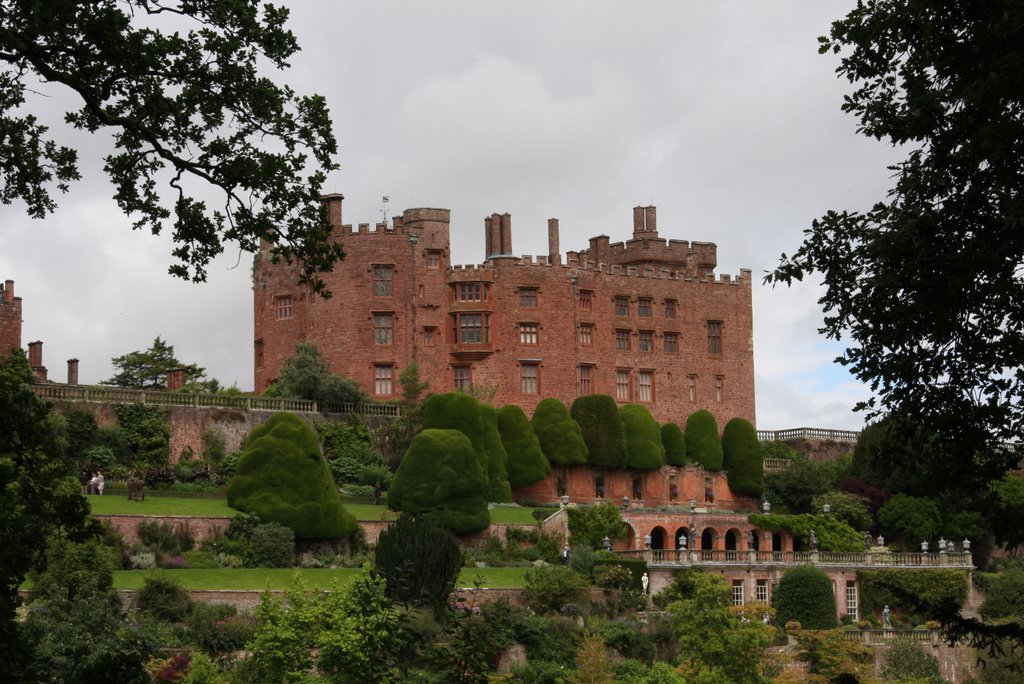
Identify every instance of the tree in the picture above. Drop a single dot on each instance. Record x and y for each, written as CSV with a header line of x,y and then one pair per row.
x,y
526,461
498,489
305,375
805,595
703,445
188,108
927,285
41,493
907,661
148,369
589,525
794,487
441,477
1005,596
674,441
849,508
459,411
644,450
741,457
282,477
598,418
419,560
910,518
559,435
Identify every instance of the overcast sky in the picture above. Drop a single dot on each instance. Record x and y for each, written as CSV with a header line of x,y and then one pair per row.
x,y
722,114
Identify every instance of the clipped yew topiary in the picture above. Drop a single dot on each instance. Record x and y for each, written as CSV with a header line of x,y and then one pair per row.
x,y
805,594
419,560
458,411
674,441
441,477
498,488
282,477
526,461
741,457
703,445
598,418
644,450
559,435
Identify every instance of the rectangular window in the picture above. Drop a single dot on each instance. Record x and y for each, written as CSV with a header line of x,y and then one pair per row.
x,y
433,261
528,297
529,378
586,334
671,342
761,591
599,485
529,333
430,337
383,328
644,307
645,386
284,307
851,599
645,343
622,339
670,308
691,386
737,592
586,300
472,328
471,292
583,373
622,385
719,381
383,279
622,306
461,378
714,337
382,381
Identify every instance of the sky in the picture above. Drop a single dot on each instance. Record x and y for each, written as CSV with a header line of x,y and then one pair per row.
x,y
722,114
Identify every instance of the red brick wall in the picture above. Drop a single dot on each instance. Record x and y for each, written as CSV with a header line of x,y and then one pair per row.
x,y
10,318
199,528
645,267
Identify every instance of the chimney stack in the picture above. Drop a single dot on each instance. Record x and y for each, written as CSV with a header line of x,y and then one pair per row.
x,y
8,292
332,205
506,233
554,253
35,359
72,371
175,379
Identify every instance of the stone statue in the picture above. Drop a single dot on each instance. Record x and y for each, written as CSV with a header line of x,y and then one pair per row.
x,y
867,541
886,620
814,541
645,581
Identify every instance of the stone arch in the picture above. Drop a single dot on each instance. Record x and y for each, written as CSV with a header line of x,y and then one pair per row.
x,y
707,539
658,538
777,541
753,540
631,538
685,533
732,539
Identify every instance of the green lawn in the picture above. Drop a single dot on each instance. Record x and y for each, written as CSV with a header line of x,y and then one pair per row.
x,y
168,505
283,578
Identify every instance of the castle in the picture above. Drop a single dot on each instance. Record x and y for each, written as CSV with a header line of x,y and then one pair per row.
x,y
645,320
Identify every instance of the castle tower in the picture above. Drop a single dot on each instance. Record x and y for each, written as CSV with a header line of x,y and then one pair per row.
x,y
10,319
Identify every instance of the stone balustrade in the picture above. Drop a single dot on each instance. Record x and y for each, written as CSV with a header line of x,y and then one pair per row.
x,y
849,560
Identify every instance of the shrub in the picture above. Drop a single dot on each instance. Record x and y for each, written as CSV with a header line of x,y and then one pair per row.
x,y
833,534
850,508
74,567
910,518
146,433
272,546
644,450
217,628
636,568
143,560
348,448
792,489
703,445
497,458
441,477
805,595
526,461
907,661
674,441
598,418
918,595
283,478
200,560
458,411
589,525
419,561
558,434
741,457
549,587
164,599
164,538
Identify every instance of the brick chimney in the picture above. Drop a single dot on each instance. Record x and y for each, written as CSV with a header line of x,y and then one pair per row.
x,y
35,359
332,205
506,233
645,222
8,292
72,371
175,379
554,253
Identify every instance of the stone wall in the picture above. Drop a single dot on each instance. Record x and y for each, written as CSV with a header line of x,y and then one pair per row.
x,y
198,528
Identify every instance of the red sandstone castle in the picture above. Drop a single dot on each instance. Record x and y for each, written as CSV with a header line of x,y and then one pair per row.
x,y
644,321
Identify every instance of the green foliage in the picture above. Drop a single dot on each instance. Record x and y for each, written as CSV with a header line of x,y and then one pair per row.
x,y
1006,508
217,628
919,595
636,567
40,494
589,525
305,375
792,489
164,598
598,418
703,445
741,457
714,644
283,478
146,434
396,438
271,546
82,431
74,567
850,508
499,489
164,538
777,449
674,441
441,476
911,519
592,665
559,435
644,450
349,450
202,670
526,461
548,588
805,594
830,657
833,533
148,369
1005,596
906,661
419,560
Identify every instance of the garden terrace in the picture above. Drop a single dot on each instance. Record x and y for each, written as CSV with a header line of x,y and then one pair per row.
x,y
855,561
